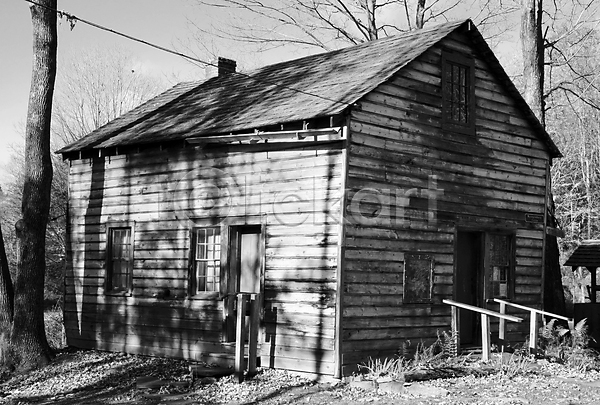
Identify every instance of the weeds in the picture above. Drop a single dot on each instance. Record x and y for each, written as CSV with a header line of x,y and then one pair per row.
x,y
389,368
568,345
55,331
513,365
439,354
557,343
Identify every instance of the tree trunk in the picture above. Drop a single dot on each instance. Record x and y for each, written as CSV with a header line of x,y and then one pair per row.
x,y
533,56
371,16
420,15
6,291
533,77
28,337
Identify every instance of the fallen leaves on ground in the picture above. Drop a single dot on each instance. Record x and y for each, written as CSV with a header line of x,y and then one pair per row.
x,y
94,377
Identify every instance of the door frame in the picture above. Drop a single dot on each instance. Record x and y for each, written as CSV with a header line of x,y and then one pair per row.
x,y
484,275
231,279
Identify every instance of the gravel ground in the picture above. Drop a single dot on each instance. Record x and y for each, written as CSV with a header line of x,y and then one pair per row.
x,y
92,377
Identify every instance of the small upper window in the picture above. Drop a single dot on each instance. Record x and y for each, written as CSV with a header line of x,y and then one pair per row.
x,y
500,261
205,266
458,93
119,259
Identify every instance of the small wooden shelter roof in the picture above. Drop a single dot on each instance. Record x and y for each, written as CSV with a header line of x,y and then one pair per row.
x,y
315,86
587,254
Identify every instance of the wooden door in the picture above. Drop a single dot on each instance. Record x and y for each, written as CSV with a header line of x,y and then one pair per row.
x,y
249,259
246,266
468,283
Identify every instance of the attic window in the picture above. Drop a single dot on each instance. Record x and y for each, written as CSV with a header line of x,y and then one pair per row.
x,y
458,93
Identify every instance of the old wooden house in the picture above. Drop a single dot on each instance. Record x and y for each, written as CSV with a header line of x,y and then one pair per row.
x,y
354,190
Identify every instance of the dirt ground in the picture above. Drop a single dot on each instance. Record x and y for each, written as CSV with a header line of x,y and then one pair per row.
x,y
92,377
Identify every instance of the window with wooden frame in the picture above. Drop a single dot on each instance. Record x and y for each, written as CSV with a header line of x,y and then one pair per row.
x,y
458,93
119,258
205,261
418,278
500,265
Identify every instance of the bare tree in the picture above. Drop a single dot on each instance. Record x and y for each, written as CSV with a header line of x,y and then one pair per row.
x,y
95,87
533,56
575,122
332,24
28,337
546,33
92,87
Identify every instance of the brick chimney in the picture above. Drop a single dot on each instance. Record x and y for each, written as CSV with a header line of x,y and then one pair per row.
x,y
225,67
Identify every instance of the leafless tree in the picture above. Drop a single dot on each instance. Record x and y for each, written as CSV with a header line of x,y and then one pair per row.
x,y
92,88
551,38
332,24
30,348
96,86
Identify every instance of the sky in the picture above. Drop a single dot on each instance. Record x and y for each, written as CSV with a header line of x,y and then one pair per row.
x,y
158,21
161,22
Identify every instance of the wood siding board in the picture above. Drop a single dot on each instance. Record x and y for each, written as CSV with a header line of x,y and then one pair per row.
x,y
302,259
488,182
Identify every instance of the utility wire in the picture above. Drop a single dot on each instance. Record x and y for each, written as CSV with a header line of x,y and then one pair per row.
x,y
72,19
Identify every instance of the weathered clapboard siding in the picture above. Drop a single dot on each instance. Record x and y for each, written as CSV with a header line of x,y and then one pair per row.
x,y
400,154
350,179
293,193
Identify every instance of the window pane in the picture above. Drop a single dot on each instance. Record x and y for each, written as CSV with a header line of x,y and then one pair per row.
x,y
201,276
207,259
499,250
119,271
456,90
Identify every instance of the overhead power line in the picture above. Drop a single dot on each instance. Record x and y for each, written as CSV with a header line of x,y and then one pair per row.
x,y
73,19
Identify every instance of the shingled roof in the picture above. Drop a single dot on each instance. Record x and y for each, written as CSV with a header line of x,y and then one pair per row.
x,y
314,86
586,255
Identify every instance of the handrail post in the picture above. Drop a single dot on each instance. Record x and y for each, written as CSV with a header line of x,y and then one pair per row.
x,y
485,322
240,336
533,320
455,330
485,338
253,338
502,327
533,331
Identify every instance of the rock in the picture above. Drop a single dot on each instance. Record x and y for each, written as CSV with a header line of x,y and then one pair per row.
x,y
204,371
363,384
425,390
208,380
392,387
148,382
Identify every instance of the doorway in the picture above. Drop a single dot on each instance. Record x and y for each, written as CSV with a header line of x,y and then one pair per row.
x,y
245,274
484,270
468,285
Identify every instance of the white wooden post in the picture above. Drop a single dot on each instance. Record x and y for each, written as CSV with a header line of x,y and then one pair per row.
x,y
533,331
240,337
253,338
485,337
455,324
485,323
502,326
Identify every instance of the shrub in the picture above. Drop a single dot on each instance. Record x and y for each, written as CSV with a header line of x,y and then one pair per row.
x,y
568,345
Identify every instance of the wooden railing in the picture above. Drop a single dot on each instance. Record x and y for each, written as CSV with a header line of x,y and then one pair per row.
x,y
533,321
485,323
241,332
